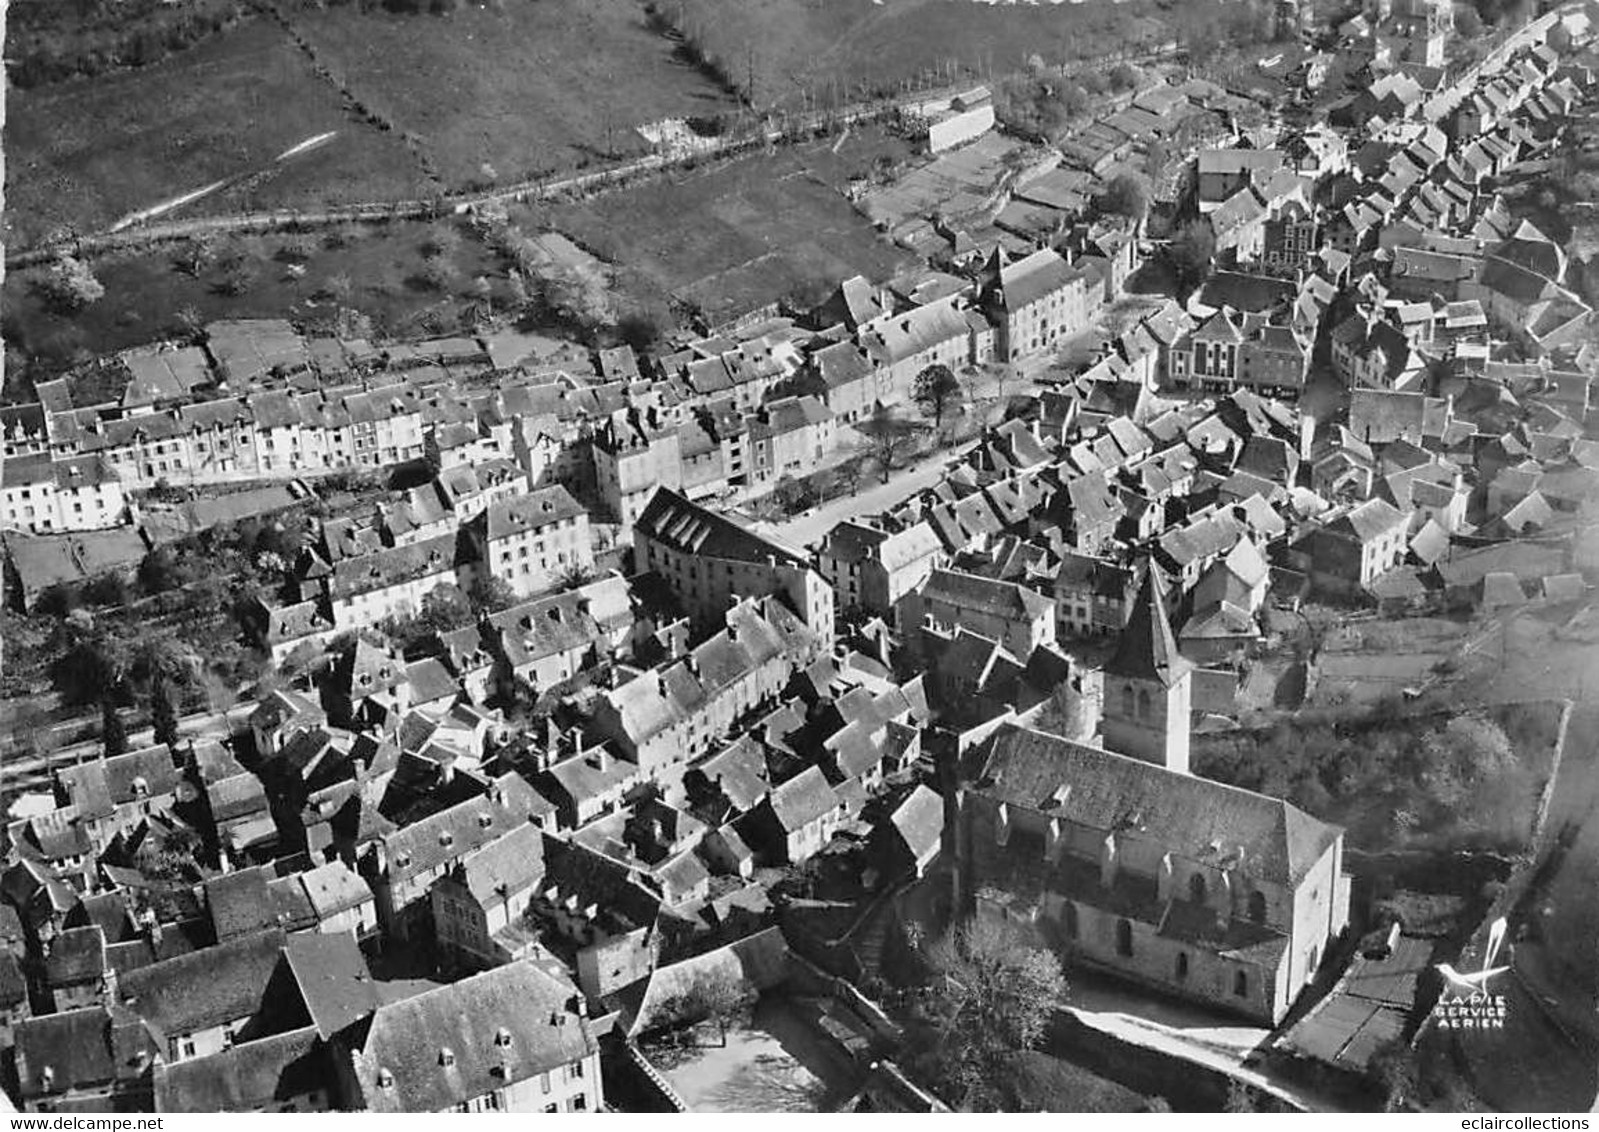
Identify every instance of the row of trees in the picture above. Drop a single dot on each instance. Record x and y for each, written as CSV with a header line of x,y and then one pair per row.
x,y
54,40
1392,780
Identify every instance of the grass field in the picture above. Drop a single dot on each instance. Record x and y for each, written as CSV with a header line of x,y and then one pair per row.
x,y
741,234
145,292
855,47
86,153
534,86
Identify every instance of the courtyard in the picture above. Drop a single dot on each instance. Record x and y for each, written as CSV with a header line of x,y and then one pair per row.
x,y
781,1062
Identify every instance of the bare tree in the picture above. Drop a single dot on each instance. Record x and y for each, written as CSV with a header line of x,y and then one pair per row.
x,y
937,391
889,437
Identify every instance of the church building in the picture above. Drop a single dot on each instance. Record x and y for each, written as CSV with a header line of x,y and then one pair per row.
x,y
1121,859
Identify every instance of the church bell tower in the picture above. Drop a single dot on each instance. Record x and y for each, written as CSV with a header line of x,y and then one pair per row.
x,y
1148,684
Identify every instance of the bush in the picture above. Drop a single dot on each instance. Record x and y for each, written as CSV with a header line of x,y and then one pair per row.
x,y
70,285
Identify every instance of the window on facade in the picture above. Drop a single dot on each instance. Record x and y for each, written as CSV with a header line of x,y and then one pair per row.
x,y
1124,938
1257,906
1196,888
1071,920
1182,964
1240,984
544,1082
1128,705
579,1103
1143,703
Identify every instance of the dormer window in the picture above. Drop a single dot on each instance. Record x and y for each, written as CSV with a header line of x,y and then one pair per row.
x,y
446,1057
385,1079
502,1038
446,838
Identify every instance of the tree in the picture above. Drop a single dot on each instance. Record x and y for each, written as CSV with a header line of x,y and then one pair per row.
x,y
994,994
238,272
69,286
889,438
340,287
92,666
718,1000
163,712
1467,22
639,329
1126,196
1393,1070
937,391
194,255
442,242
113,733
1190,253
1065,713
489,594
575,577
445,608
1239,1098
190,322
1123,76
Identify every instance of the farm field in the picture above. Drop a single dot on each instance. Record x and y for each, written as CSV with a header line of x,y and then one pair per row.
x,y
744,233
525,87
82,154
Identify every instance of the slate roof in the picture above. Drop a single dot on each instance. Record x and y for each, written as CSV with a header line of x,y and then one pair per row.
x,y
77,956
504,868
1147,647
259,1075
1034,277
82,1049
802,799
206,987
919,821
460,1041
689,528
451,833
1194,816
510,518
333,979
984,595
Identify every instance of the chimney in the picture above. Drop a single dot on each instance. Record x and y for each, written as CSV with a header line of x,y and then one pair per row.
x,y
602,759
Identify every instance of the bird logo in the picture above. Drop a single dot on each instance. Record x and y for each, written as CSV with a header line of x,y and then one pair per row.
x,y
1474,985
